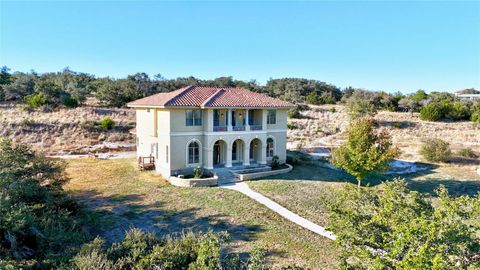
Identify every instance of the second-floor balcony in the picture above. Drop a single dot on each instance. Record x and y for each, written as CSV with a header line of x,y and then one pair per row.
x,y
237,120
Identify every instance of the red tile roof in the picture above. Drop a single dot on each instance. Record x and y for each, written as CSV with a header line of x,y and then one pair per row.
x,y
210,97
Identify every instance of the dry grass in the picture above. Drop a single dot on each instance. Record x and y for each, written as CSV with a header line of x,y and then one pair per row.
x,y
322,127
60,131
125,197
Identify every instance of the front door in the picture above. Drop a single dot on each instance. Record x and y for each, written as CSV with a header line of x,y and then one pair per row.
x,y
216,154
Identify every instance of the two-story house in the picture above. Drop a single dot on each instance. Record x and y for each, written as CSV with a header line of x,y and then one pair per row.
x,y
210,127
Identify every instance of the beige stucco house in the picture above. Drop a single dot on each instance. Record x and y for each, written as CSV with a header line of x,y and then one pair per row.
x,y
210,127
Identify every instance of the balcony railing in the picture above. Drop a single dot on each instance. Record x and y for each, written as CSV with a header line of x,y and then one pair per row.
x,y
238,128
220,128
256,127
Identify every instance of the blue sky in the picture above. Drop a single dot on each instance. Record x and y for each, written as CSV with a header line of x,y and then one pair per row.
x,y
391,46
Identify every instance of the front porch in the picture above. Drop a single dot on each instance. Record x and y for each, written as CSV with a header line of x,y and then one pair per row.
x,y
237,154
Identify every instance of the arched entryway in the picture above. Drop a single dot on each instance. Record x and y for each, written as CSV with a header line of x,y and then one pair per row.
x,y
237,151
219,153
255,151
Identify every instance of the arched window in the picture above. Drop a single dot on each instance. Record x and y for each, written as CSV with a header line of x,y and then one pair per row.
x,y
193,153
270,147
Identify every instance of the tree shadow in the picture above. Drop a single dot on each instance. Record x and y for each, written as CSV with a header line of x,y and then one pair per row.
x,y
396,124
418,181
115,214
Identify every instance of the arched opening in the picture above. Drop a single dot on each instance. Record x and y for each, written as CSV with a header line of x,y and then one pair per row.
x,y
193,153
255,150
219,153
237,151
270,148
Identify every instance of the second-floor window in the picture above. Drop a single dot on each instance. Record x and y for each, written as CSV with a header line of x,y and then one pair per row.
x,y
193,118
272,117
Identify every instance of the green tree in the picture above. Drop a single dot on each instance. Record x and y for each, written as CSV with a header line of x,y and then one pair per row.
x,y
391,227
365,152
419,96
37,218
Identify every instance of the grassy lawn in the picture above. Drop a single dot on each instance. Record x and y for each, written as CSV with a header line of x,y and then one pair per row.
x,y
309,186
123,197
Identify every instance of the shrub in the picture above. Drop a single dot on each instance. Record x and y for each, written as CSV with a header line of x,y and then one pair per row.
x,y
39,222
333,110
291,126
431,112
70,102
391,227
475,117
35,101
467,152
294,113
436,150
141,250
107,123
457,111
397,124
362,103
275,162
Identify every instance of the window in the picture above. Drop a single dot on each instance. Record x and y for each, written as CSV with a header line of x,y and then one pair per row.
x,y
272,117
270,147
166,153
193,153
250,117
193,118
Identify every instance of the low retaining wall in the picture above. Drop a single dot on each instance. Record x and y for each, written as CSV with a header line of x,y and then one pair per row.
x,y
193,182
251,176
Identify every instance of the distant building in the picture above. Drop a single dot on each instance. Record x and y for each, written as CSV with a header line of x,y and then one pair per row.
x,y
467,96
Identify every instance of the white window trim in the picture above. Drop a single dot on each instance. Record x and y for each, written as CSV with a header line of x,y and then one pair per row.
x,y
200,154
274,146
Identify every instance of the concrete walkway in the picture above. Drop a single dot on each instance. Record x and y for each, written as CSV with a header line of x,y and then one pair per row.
x,y
282,211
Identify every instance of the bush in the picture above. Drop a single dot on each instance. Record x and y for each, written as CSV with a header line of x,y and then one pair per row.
x,y
436,150
294,113
107,123
39,222
35,101
275,162
431,112
291,126
141,250
467,152
333,110
457,111
391,227
70,102
475,117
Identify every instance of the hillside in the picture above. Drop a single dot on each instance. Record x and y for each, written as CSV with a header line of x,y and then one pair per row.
x,y
323,126
65,131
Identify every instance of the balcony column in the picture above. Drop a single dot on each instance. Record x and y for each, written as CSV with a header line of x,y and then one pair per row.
x,y
264,119
229,117
228,163
246,154
247,125
209,162
263,154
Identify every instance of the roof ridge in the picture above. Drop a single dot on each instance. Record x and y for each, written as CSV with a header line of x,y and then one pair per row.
x,y
212,96
182,92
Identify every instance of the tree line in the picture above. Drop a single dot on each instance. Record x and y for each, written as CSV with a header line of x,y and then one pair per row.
x,y
71,89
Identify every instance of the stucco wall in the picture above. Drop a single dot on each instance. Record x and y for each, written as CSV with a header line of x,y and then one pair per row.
x,y
177,120
281,122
